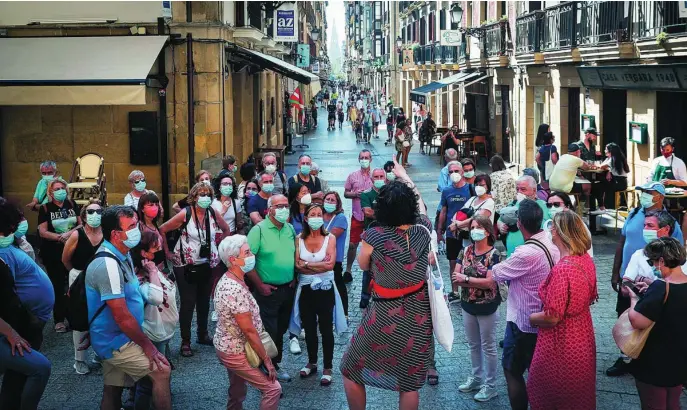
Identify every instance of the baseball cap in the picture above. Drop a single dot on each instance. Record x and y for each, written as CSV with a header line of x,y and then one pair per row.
x,y
591,131
573,147
652,186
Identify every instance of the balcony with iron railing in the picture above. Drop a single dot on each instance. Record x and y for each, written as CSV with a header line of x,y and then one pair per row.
x,y
658,29
559,27
528,33
428,51
496,40
418,55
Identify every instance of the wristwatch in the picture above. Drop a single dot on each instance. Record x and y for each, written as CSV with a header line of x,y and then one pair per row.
x,y
467,279
306,264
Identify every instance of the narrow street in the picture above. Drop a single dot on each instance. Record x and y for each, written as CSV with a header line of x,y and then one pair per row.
x,y
201,382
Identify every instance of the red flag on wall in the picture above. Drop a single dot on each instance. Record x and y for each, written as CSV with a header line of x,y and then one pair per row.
x,y
296,98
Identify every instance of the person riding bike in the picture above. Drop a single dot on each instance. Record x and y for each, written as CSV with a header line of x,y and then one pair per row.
x,y
331,108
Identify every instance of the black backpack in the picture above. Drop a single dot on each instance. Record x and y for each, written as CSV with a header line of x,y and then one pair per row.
x,y
77,305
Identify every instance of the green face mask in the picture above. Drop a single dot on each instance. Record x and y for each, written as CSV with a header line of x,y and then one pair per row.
x,y
305,169
379,183
390,176
60,194
329,208
6,241
281,215
204,202
646,200
226,190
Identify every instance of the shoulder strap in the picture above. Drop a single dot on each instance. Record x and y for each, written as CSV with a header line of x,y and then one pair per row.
x,y
281,177
543,248
102,254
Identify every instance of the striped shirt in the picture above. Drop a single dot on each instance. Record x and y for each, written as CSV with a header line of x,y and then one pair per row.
x,y
358,181
525,270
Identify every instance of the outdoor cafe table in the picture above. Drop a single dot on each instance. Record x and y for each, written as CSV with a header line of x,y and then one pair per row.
x,y
594,174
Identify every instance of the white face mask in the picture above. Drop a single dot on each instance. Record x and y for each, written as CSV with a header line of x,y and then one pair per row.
x,y
270,169
520,196
480,190
306,199
456,177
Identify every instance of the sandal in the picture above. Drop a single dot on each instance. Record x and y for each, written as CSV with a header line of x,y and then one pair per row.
x,y
326,379
186,349
432,377
308,370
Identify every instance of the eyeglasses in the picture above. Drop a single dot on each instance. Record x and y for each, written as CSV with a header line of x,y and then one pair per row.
x,y
140,180
281,206
454,172
555,205
98,211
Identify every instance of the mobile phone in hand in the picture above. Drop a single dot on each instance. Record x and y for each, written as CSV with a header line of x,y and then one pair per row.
x,y
263,369
632,287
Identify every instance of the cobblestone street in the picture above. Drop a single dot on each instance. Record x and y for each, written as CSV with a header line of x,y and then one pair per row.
x,y
201,382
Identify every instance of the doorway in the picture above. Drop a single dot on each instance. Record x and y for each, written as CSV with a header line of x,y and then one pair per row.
x,y
573,114
670,125
477,112
614,119
505,123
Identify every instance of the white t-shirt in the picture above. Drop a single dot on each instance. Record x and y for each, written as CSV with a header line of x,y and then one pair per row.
x,y
161,321
229,216
487,205
359,104
679,168
130,200
638,267
609,162
564,172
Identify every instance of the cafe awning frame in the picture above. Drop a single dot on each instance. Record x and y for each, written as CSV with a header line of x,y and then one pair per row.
x,y
108,70
262,61
421,94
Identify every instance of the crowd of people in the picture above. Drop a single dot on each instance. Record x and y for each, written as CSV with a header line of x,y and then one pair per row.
x,y
264,258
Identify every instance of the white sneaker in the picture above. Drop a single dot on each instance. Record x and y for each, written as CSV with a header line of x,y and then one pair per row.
x,y
295,346
486,393
81,367
470,385
214,316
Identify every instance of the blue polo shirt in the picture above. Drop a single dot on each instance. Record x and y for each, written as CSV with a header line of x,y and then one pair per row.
x,y
34,288
105,281
634,237
453,199
257,204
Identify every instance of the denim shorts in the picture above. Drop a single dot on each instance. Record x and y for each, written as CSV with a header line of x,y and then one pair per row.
x,y
518,349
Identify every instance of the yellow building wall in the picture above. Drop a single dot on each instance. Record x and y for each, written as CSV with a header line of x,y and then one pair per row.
x,y
641,107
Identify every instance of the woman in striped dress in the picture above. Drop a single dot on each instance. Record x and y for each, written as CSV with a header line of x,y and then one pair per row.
x,y
393,347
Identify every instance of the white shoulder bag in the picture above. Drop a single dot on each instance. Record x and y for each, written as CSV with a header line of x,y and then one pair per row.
x,y
441,315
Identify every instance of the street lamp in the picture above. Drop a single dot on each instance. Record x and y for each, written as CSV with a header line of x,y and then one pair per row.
x,y
456,13
399,42
315,34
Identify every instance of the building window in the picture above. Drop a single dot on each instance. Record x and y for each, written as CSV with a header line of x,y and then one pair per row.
x,y
240,13
539,110
442,19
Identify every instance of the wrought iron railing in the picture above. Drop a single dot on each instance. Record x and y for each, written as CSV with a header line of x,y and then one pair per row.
x,y
650,18
428,51
438,53
449,54
495,38
601,22
418,55
528,32
559,27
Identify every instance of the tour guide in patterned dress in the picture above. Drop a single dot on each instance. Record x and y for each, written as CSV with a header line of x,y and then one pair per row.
x,y
393,347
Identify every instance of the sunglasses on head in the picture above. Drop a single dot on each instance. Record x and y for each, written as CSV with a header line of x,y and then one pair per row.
x,y
98,211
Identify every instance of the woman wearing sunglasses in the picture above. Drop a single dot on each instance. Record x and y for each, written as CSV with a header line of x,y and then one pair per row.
x,y
557,202
78,252
138,187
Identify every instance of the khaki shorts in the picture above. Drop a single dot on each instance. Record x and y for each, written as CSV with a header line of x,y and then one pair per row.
x,y
126,366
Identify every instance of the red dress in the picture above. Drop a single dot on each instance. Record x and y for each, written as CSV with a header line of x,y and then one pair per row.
x,y
563,370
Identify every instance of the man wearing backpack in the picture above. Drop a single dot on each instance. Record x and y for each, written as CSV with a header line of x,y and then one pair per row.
x,y
115,330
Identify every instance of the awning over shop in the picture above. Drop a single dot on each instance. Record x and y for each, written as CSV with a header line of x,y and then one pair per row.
x,y
669,77
77,70
267,62
421,94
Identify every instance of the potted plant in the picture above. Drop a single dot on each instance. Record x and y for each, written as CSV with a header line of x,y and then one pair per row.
x,y
661,38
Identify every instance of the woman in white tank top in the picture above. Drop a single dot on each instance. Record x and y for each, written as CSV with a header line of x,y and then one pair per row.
x,y
317,299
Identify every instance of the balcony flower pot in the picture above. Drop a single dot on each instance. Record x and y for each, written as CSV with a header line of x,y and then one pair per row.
x,y
661,39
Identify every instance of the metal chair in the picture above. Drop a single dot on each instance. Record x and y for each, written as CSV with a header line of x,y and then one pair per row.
x,y
88,181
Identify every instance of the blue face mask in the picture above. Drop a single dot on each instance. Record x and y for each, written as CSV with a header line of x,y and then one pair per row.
x,y
133,237
649,235
315,222
22,228
60,194
379,183
248,264
305,169
48,178
93,220
6,241
329,208
204,202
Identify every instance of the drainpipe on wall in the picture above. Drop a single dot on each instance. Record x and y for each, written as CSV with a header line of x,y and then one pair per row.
x,y
191,123
164,149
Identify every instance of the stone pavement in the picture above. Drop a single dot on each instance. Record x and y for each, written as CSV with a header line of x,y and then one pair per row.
x,y
201,382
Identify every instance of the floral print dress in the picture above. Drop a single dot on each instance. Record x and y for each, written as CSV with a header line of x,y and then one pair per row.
x,y
233,298
187,249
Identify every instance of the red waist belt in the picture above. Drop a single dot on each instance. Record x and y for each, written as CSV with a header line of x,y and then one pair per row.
x,y
388,293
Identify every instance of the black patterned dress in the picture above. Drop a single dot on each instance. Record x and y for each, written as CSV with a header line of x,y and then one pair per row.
x,y
393,347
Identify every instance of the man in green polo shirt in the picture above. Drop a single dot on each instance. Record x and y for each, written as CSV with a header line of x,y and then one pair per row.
x,y
368,199
273,241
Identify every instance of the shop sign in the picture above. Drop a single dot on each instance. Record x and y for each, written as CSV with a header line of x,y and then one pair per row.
x,y
683,9
538,95
408,58
451,38
303,59
316,67
635,77
285,23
